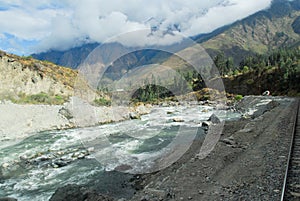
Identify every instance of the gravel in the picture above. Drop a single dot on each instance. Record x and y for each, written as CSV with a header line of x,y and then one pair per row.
x,y
248,162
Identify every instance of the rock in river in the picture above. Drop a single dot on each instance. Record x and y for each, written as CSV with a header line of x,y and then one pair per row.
x,y
178,120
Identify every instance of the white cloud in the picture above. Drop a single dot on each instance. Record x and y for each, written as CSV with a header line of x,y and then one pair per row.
x,y
219,16
61,24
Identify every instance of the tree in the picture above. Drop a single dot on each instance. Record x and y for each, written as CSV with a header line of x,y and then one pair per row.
x,y
220,63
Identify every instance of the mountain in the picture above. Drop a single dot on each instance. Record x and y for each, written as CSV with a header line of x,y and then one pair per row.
x,y
70,58
276,27
27,80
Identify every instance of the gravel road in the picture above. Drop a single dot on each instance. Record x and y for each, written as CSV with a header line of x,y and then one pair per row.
x,y
248,162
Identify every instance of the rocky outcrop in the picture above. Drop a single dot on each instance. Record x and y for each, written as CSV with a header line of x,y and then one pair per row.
x,y
255,106
26,76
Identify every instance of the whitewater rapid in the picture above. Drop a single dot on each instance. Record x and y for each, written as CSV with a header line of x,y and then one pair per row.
x,y
57,158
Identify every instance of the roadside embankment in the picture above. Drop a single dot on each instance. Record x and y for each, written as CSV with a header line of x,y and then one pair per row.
x,y
20,121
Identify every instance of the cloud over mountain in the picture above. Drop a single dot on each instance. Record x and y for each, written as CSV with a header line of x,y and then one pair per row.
x,y
61,24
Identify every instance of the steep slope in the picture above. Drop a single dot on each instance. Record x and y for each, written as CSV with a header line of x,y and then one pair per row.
x,y
257,34
24,79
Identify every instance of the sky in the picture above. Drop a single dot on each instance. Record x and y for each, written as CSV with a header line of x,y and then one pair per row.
x,y
31,26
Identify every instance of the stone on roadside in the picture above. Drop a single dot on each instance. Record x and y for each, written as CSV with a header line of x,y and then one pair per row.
x,y
228,141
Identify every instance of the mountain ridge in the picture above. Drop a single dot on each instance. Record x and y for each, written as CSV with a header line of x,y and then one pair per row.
x,y
259,33
256,34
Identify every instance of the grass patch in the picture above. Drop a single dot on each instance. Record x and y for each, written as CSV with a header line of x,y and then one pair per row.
x,y
40,98
102,102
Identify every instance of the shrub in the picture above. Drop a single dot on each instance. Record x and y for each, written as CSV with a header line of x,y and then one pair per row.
x,y
238,97
27,57
250,81
39,98
245,69
102,102
59,99
236,72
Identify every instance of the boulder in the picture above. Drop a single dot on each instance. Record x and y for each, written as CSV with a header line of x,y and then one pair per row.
x,y
5,165
228,141
205,110
60,163
65,113
261,109
134,115
214,119
205,124
178,120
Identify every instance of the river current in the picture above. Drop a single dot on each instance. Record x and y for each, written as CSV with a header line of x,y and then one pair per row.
x,y
32,169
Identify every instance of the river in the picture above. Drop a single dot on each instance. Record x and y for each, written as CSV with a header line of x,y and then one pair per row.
x,y
32,169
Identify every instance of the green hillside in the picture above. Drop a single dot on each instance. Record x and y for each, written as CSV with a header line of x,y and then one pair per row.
x,y
260,33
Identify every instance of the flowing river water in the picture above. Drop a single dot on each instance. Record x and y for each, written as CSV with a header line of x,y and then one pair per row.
x,y
35,167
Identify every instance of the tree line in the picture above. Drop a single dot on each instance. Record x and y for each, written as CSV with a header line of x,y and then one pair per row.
x,y
283,65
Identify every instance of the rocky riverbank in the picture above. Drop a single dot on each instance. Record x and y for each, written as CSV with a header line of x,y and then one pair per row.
x,y
247,163
20,121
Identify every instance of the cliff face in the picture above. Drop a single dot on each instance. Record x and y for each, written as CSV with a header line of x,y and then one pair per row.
x,y
23,76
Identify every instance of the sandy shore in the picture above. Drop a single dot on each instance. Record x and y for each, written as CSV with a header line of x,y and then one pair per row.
x,y
20,121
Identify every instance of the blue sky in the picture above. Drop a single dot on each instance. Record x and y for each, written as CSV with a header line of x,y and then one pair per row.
x,y
30,26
